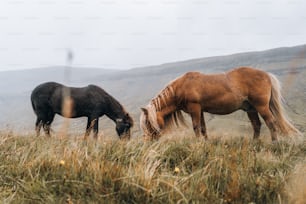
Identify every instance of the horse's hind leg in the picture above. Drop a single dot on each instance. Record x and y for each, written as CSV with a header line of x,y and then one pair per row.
x,y
203,126
38,125
266,114
46,127
47,123
256,124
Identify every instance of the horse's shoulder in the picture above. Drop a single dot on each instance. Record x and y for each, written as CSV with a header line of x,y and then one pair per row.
x,y
246,69
95,88
191,75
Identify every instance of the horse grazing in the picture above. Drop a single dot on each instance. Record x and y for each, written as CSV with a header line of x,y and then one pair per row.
x,y
90,101
252,90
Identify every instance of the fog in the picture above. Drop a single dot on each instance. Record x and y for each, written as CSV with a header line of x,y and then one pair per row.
x,y
117,34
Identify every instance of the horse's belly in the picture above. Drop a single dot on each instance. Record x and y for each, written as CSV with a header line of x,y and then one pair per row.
x,y
72,114
221,107
220,112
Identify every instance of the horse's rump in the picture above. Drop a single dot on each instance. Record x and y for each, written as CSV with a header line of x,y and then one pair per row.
x,y
40,96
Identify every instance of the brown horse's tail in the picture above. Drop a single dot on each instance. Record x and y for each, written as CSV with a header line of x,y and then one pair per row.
x,y
276,107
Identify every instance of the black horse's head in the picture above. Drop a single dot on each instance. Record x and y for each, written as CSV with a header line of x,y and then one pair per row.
x,y
123,126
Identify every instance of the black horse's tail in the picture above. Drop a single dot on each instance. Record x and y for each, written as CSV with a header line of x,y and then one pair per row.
x,y
33,103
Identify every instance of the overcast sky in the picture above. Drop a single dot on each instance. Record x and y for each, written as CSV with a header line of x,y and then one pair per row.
x,y
122,34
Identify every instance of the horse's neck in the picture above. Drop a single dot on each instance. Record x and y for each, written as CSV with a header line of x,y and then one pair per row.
x,y
115,111
168,110
165,107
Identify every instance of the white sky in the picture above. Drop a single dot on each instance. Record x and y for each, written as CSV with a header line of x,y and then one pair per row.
x,y
121,34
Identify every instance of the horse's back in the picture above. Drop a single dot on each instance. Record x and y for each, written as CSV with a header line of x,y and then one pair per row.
x,y
196,84
247,73
55,90
96,89
90,94
235,78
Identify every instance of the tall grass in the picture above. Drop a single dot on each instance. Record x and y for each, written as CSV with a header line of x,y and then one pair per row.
x,y
238,170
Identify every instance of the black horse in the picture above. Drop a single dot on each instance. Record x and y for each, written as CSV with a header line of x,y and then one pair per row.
x,y
91,101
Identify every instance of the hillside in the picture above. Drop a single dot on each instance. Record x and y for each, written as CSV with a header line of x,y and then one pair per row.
x,y
135,87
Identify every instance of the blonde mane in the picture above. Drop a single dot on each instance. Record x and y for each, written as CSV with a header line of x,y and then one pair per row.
x,y
173,119
162,97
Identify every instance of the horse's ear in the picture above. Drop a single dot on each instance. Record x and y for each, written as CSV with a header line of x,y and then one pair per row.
x,y
145,111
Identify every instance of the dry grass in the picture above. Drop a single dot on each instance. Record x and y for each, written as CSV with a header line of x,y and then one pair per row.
x,y
184,170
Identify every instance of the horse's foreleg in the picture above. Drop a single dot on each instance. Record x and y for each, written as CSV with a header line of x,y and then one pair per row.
x,y
195,112
266,114
88,128
96,128
256,124
203,126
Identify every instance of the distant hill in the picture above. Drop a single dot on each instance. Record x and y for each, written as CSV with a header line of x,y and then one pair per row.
x,y
135,87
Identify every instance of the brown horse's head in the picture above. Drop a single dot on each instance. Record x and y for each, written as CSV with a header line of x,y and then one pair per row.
x,y
161,114
148,122
123,126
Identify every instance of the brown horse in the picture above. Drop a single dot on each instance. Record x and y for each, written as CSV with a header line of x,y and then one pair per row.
x,y
252,90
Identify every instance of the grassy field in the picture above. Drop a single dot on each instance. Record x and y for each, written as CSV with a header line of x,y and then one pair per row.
x,y
171,170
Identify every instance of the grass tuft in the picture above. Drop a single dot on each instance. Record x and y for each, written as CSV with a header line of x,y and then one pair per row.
x,y
237,170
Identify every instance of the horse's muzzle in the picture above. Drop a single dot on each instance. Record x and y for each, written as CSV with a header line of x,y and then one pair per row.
x,y
126,135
